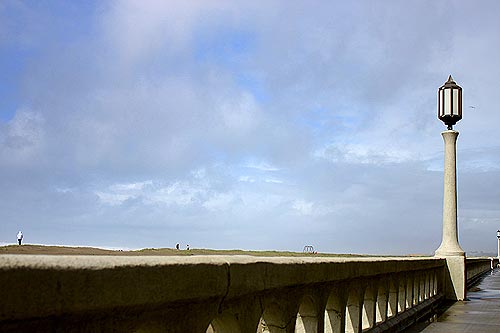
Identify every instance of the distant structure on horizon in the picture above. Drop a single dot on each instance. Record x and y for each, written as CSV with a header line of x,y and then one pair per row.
x,y
481,254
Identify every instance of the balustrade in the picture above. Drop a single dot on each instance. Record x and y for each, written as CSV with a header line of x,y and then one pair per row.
x,y
233,294
355,305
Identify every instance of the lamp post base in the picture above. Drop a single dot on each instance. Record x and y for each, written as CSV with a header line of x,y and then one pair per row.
x,y
455,278
448,253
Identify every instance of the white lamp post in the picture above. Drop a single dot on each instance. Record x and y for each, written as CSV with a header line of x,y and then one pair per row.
x,y
450,111
498,238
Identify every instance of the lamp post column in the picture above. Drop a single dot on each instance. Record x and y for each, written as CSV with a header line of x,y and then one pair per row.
x,y
449,244
450,111
498,238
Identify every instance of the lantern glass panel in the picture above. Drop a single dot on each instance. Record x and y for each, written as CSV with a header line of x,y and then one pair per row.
x,y
440,103
447,102
455,102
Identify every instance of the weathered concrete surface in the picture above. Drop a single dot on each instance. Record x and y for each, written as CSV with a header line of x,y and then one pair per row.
x,y
456,279
174,294
449,244
54,285
450,248
478,314
232,293
40,286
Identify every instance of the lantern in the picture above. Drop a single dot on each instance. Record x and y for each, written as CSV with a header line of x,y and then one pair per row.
x,y
450,103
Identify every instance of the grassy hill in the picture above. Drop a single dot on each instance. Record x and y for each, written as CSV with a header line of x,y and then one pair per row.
x,y
66,250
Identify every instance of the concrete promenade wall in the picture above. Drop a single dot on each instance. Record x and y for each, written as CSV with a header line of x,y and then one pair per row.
x,y
216,293
476,267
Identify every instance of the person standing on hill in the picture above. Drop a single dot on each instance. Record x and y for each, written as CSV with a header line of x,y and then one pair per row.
x,y
20,237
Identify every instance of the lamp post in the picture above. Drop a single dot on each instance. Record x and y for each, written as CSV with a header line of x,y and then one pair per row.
x,y
498,238
450,111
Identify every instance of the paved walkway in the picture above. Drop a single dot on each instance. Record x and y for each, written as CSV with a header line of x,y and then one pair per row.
x,y
480,313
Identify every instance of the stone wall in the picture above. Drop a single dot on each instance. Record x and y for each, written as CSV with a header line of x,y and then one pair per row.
x,y
216,293
476,267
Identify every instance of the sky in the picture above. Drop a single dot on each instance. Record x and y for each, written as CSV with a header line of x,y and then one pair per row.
x,y
258,125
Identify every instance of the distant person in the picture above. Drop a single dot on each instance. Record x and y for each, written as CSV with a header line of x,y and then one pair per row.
x,y
20,237
177,246
187,247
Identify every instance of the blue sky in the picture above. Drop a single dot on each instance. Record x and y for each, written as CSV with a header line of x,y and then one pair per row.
x,y
247,125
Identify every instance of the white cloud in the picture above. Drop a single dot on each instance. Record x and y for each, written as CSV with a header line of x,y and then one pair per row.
x,y
219,202
363,154
273,181
131,186
64,190
178,193
261,166
240,116
247,179
303,207
312,209
113,199
23,138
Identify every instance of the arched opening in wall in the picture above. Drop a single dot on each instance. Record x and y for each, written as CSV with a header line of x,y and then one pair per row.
x,y
382,299
307,318
392,304
272,320
224,323
421,291
368,312
353,311
262,327
402,294
434,283
335,312
431,284
409,291
416,288
427,285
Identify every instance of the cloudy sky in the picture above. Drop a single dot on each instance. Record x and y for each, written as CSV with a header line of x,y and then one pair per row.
x,y
246,124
